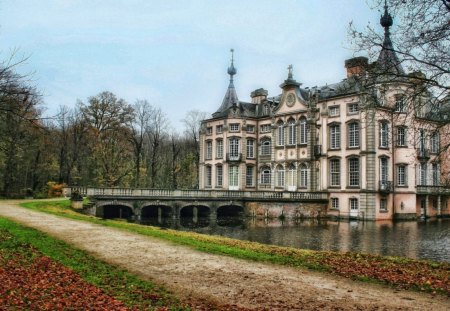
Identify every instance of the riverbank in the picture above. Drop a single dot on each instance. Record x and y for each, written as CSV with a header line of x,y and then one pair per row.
x,y
225,279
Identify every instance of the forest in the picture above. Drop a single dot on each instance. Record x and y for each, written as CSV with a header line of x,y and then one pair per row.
x,y
103,141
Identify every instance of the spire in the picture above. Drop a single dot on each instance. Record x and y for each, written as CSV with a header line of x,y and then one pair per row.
x,y
388,61
230,99
290,81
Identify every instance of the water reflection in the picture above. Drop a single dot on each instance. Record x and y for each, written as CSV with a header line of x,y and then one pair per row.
x,y
421,240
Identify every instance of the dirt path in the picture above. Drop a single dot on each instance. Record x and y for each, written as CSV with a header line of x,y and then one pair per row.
x,y
222,279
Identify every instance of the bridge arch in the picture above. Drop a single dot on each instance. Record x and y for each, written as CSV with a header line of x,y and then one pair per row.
x,y
192,210
230,210
117,210
156,210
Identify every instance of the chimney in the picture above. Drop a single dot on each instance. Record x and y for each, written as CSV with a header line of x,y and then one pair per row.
x,y
356,66
258,95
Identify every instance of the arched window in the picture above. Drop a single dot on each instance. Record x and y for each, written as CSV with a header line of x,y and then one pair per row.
x,y
292,134
266,146
280,176
303,131
303,175
266,175
280,133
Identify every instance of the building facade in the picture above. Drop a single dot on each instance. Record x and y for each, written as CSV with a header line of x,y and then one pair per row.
x,y
365,141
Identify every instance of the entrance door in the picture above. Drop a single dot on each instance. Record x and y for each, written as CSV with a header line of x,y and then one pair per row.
x,y
353,207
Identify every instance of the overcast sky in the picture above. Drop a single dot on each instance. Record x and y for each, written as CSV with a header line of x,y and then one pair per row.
x,y
175,53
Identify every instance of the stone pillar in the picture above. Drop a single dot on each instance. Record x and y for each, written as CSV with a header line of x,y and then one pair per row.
x,y
439,206
368,199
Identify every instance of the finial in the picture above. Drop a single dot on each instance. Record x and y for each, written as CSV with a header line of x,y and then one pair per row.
x,y
231,70
290,67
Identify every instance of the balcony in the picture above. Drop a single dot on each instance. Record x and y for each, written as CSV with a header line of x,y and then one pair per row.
x,y
317,150
423,154
385,186
234,157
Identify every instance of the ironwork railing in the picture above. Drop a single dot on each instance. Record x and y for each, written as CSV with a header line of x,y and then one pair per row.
x,y
385,186
234,157
423,153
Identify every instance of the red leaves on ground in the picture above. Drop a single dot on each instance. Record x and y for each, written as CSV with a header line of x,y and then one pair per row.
x,y
47,285
406,274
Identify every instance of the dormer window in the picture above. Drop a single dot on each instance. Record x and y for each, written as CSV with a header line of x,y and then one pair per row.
x,y
266,110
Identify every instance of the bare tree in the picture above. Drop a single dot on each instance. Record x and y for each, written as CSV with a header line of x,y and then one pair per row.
x,y
156,133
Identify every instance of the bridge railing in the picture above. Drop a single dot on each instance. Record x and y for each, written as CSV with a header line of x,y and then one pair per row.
x,y
86,191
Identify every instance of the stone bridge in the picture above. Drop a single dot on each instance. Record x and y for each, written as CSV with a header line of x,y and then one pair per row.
x,y
157,203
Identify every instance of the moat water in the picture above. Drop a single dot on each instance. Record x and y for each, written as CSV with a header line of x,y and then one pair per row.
x,y
424,239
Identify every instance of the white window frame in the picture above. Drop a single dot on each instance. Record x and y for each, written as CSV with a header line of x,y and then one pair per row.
x,y
219,176
292,132
219,149
233,176
384,134
250,128
266,146
249,172
303,176
353,108
434,142
234,147
209,146
353,134
250,149
335,172
402,171
401,136
354,173
234,127
266,176
279,172
280,134
383,205
219,129
208,176
335,203
303,131
334,111
335,136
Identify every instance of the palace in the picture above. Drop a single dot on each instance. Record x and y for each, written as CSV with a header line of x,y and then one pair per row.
x,y
366,141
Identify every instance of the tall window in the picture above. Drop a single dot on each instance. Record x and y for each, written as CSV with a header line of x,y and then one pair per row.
x,y
400,105
384,172
303,176
335,172
208,150
335,136
208,176
234,148
435,174
219,176
219,149
291,177
250,148
401,136
422,140
266,175
303,131
280,133
353,135
353,172
249,176
233,176
279,176
401,175
292,134
384,134
383,205
435,142
423,174
266,146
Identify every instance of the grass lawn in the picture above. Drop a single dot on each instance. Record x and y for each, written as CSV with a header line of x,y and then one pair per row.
x,y
399,272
